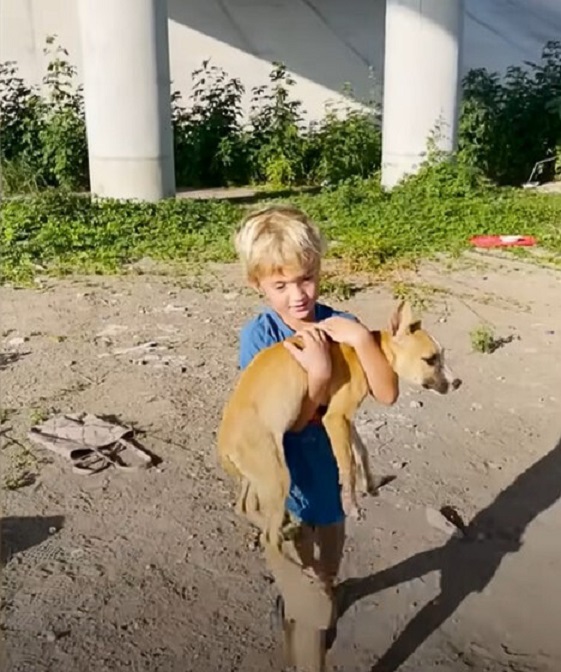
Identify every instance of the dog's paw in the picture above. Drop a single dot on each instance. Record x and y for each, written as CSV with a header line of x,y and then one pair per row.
x,y
376,483
350,505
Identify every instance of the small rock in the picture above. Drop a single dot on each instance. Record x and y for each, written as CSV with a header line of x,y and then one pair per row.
x,y
17,341
112,330
172,308
50,636
439,522
416,404
476,407
53,530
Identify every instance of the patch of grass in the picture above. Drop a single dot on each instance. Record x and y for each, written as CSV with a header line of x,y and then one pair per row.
x,y
337,287
432,213
483,339
421,295
38,415
22,470
6,414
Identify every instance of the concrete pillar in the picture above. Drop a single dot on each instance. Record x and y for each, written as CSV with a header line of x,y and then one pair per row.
x,y
127,97
422,68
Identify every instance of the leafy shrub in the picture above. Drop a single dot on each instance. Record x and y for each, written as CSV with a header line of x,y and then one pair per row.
x,y
346,142
508,125
43,138
209,143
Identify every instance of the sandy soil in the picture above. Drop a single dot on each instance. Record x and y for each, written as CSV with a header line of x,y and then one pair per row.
x,y
152,572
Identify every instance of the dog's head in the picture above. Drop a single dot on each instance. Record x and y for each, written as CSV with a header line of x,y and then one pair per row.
x,y
417,357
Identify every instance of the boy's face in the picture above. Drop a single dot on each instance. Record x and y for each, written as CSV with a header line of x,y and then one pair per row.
x,y
292,295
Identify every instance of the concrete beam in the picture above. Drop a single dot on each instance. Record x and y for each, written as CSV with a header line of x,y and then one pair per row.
x,y
421,82
127,98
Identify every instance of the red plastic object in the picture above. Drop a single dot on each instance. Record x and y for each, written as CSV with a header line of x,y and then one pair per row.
x,y
502,241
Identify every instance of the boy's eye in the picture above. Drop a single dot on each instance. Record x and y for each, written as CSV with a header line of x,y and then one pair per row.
x,y
280,286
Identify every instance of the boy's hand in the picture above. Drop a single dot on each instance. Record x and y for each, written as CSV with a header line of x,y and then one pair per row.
x,y
315,357
344,330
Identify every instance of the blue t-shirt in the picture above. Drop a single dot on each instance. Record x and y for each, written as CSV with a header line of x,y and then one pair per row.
x,y
315,494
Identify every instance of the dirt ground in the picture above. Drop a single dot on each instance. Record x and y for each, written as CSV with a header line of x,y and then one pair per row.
x,y
153,572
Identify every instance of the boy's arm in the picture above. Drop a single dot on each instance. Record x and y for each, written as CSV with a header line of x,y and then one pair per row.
x,y
381,378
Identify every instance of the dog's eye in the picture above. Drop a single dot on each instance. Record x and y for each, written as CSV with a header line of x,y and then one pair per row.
x,y
432,360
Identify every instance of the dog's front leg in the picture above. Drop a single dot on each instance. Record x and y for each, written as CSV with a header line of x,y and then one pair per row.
x,y
368,483
338,429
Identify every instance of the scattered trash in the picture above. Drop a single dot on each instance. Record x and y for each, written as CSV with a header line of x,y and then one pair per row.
x,y
502,241
90,443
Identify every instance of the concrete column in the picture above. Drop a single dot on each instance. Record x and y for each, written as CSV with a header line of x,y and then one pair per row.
x,y
127,97
422,68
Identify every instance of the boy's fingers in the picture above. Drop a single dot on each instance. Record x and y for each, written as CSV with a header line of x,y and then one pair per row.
x,y
294,351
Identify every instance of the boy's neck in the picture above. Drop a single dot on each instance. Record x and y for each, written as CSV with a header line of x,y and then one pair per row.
x,y
297,325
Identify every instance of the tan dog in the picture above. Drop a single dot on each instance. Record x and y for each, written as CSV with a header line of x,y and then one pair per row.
x,y
267,400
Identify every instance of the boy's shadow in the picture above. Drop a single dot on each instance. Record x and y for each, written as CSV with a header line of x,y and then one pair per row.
x,y
468,564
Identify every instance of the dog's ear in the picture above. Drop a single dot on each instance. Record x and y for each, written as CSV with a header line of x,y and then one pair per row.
x,y
402,321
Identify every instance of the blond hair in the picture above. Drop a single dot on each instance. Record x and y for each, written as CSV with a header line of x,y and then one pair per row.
x,y
278,238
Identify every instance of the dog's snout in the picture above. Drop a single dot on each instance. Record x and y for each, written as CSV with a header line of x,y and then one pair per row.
x,y
456,383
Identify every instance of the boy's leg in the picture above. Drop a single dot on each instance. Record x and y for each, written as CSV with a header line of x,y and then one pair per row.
x,y
306,585
330,541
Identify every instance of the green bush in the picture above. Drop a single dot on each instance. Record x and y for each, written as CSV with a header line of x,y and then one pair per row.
x,y
43,138
508,125
433,212
210,147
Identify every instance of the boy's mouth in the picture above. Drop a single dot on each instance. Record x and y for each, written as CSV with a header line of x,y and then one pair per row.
x,y
301,307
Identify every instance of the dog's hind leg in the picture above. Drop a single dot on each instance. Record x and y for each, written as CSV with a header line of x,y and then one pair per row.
x,y
242,507
265,484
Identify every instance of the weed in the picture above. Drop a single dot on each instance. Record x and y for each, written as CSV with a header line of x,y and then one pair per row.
x,y
38,415
483,339
22,469
420,295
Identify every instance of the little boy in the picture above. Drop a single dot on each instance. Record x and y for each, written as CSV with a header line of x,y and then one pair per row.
x,y
280,250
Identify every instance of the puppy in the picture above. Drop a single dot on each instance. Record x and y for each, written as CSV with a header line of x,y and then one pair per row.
x,y
267,400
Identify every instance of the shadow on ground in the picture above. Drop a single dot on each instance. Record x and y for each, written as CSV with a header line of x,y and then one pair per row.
x,y
466,565
17,534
